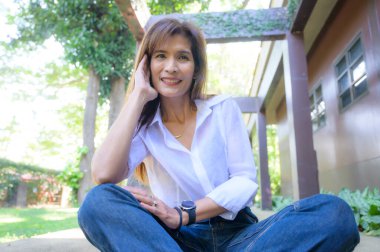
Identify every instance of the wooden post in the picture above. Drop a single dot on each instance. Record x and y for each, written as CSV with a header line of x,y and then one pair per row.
x,y
266,195
21,198
302,154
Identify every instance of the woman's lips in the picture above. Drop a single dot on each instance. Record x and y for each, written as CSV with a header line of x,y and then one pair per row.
x,y
170,81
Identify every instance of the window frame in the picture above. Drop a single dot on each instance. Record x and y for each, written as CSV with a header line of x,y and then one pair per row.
x,y
348,70
316,102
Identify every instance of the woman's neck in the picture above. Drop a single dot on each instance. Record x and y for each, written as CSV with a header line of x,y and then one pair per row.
x,y
176,110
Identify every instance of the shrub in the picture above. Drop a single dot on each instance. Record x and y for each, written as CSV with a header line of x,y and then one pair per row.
x,y
41,183
72,175
279,202
366,208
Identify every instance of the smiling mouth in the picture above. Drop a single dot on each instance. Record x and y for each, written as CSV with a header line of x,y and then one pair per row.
x,y
170,82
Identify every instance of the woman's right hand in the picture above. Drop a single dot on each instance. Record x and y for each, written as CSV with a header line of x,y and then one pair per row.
x,y
142,83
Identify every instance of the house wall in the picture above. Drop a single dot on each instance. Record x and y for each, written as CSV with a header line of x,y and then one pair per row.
x,y
348,146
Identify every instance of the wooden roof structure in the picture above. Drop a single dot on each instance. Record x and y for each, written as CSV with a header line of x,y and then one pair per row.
x,y
224,27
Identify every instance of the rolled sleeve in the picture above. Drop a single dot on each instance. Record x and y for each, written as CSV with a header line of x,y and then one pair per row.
x,y
233,195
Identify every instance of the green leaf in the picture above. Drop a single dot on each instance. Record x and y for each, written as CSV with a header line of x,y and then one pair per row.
x,y
372,219
92,34
374,208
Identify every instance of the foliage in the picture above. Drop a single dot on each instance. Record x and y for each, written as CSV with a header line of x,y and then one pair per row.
x,y
158,7
279,202
273,160
366,208
25,168
241,23
93,34
8,184
292,8
72,175
62,74
42,186
23,223
72,117
34,127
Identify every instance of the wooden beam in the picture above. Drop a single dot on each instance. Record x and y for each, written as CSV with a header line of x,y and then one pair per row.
x,y
135,14
248,104
237,26
302,15
218,27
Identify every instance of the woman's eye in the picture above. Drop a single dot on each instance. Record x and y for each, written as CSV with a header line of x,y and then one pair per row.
x,y
160,56
183,57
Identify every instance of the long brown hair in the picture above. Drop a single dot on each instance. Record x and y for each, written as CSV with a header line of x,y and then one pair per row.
x,y
156,35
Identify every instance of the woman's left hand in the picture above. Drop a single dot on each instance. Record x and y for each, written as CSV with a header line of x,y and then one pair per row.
x,y
169,216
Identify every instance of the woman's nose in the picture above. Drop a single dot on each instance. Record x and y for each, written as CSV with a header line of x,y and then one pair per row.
x,y
171,66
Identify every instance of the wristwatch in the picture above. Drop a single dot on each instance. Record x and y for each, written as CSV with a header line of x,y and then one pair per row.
x,y
189,207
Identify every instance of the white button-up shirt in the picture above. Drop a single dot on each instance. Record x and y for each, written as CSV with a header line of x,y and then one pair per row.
x,y
219,165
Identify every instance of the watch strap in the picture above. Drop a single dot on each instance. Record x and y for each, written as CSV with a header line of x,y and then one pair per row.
x,y
192,215
180,218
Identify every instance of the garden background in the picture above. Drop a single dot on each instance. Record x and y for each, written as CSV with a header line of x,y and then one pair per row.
x,y
50,53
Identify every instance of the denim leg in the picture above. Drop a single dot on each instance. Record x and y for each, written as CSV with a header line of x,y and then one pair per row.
x,y
318,223
213,235
113,220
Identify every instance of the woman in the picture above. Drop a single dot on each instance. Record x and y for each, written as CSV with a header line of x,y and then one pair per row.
x,y
200,168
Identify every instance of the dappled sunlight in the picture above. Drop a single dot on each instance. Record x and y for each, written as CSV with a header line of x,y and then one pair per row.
x,y
61,214
10,219
48,217
23,223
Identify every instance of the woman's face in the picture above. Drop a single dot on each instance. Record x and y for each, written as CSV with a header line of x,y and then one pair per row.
x,y
172,67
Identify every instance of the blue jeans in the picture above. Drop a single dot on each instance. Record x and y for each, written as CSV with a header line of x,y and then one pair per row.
x,y
112,220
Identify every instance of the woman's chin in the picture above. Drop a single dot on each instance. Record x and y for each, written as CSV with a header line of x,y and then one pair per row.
x,y
172,94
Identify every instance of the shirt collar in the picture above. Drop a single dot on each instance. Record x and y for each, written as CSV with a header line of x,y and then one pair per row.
x,y
157,117
203,109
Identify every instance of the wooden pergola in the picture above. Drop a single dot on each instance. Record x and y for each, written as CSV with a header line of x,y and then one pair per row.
x,y
260,25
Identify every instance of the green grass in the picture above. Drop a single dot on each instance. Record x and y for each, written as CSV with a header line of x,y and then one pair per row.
x,y
18,224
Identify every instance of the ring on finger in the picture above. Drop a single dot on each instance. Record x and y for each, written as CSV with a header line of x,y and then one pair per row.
x,y
154,203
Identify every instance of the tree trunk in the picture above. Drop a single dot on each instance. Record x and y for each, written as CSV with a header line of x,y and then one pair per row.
x,y
116,98
89,132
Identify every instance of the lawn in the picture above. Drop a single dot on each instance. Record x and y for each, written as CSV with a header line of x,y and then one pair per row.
x,y
18,223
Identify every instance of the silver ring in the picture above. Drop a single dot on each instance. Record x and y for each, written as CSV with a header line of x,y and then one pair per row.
x,y
154,203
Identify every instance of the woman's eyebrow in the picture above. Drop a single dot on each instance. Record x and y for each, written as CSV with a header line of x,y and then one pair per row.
x,y
159,51
184,51
180,51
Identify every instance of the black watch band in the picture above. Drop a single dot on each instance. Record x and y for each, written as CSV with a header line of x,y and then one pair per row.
x,y
189,207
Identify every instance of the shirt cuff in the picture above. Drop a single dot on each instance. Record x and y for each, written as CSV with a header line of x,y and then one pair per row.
x,y
233,195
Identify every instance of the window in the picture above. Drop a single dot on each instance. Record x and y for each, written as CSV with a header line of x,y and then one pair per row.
x,y
317,108
351,75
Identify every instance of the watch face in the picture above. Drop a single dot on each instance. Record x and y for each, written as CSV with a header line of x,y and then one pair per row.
x,y
187,204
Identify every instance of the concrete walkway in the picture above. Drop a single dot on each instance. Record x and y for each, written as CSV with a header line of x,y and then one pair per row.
x,y
73,240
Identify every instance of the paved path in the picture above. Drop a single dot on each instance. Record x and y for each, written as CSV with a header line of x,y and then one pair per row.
x,y
73,240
